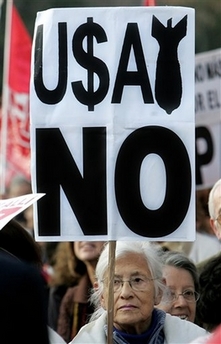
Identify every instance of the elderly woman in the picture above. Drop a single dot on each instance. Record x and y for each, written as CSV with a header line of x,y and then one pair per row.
x,y
181,278
137,289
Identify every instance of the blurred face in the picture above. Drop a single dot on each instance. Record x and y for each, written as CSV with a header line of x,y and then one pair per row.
x,y
132,309
20,189
216,223
88,251
179,280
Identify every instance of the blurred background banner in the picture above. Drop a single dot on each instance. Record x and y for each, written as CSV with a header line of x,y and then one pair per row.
x,y
208,117
15,146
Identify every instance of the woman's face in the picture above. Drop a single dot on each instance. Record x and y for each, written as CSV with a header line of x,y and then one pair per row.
x,y
88,251
179,280
132,309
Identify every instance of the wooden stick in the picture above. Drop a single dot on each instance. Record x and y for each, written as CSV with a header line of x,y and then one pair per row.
x,y
111,267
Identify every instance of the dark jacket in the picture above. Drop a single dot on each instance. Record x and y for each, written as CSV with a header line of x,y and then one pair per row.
x,y
23,307
56,294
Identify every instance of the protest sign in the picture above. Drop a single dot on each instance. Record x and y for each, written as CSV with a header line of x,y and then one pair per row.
x,y
208,118
113,123
11,207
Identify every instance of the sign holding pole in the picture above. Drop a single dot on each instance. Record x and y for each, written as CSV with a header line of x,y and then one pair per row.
x,y
113,123
110,308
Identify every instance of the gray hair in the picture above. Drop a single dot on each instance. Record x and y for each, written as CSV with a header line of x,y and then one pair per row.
x,y
181,261
211,207
148,250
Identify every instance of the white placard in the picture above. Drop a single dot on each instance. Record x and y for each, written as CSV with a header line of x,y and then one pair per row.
x,y
113,123
11,207
208,118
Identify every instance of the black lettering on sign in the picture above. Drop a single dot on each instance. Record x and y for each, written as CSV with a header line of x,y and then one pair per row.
x,y
56,95
202,133
168,82
213,99
210,70
168,85
199,102
214,69
200,73
130,78
92,64
167,218
55,168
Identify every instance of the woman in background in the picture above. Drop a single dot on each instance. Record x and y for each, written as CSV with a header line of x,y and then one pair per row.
x,y
75,306
67,271
181,278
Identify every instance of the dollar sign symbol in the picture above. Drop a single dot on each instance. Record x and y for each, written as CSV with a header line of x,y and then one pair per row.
x,y
87,60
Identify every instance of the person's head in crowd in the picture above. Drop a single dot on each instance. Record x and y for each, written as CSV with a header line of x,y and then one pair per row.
x,y
19,186
16,240
137,285
66,265
208,308
23,315
70,261
214,205
72,278
181,278
137,289
88,252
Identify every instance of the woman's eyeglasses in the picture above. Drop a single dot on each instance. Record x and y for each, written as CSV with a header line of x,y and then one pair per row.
x,y
188,295
136,283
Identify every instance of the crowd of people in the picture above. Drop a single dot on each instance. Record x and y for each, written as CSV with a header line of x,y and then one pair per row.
x,y
163,292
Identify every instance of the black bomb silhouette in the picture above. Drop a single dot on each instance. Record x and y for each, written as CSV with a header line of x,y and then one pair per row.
x,y
168,85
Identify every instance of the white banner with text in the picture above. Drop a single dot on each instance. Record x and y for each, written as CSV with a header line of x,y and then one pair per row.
x,y
113,123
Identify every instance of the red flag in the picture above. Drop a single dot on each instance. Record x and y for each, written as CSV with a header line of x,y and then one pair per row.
x,y
20,55
149,3
17,100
